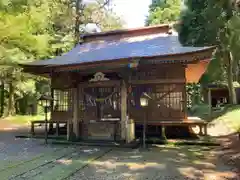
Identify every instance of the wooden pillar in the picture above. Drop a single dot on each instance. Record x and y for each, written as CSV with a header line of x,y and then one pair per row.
x,y
51,110
123,110
205,130
209,103
144,128
57,128
184,101
184,93
201,130
75,112
70,126
32,129
80,109
163,133
69,129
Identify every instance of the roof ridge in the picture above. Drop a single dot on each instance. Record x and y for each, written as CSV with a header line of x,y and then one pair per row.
x,y
165,28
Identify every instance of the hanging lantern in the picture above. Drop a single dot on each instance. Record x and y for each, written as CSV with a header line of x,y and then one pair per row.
x,y
143,101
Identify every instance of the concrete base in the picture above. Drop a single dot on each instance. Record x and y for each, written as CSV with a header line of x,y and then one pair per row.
x,y
130,131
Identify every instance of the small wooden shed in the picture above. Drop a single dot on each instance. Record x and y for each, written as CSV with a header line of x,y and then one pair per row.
x,y
97,85
219,93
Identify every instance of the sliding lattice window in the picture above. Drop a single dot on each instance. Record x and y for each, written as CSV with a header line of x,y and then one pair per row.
x,y
62,100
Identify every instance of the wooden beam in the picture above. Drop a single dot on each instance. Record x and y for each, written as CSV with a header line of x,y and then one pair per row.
x,y
80,108
157,81
163,132
184,101
92,65
75,112
101,83
123,110
173,123
69,129
32,129
210,103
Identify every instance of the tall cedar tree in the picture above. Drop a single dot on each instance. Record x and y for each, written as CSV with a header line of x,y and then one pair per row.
x,y
206,23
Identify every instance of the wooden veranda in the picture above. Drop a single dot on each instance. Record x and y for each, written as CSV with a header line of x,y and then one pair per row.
x,y
97,86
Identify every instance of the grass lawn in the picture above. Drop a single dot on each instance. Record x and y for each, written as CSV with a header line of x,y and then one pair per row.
x,y
23,120
229,115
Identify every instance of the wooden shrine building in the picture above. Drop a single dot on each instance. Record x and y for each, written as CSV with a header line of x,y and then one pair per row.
x,y
97,85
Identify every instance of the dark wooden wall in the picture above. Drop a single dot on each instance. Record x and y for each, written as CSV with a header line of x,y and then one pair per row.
x,y
164,83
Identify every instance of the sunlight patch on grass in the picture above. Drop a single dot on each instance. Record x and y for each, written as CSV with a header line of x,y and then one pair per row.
x,y
231,117
23,120
228,116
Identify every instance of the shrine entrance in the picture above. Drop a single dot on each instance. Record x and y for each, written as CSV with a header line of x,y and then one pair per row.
x,y
102,103
101,111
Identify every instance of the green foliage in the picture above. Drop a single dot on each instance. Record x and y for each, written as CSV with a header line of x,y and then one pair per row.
x,y
104,18
23,36
161,12
193,94
200,22
203,22
212,22
216,71
39,29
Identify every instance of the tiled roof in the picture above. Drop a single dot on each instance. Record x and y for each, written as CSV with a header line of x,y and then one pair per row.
x,y
152,45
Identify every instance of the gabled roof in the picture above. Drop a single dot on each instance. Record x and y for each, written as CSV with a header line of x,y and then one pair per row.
x,y
148,42
163,28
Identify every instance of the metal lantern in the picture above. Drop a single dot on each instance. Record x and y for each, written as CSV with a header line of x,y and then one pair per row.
x,y
143,101
45,101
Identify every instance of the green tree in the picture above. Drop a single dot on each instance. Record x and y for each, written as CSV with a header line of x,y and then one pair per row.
x,y
212,22
95,12
22,37
163,11
39,29
104,18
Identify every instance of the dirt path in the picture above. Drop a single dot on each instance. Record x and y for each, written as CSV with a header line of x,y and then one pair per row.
x,y
230,150
27,159
31,159
160,163
6,125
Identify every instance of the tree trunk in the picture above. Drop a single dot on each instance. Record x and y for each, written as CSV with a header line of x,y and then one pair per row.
x,y
2,99
232,92
77,21
238,72
11,103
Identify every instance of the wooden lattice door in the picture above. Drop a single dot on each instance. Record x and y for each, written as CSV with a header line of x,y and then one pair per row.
x,y
101,103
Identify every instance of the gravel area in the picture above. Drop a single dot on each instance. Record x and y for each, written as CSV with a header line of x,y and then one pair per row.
x,y
15,150
160,163
31,159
